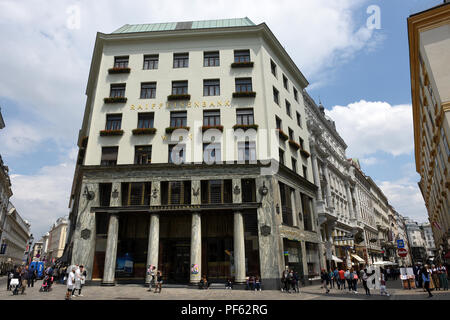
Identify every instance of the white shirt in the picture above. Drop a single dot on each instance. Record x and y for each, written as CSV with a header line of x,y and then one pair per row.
x,y
77,274
70,279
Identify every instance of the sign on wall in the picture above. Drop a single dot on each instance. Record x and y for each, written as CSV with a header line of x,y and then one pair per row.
x,y
400,243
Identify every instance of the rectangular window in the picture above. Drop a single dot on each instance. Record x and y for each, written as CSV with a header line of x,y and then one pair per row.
x,y
273,68
109,156
248,190
278,123
247,151
211,153
211,118
177,153
117,90
113,121
151,61
295,94
276,96
211,87
299,120
175,192
105,194
302,147
294,164
307,214
136,193
445,142
281,156
216,191
121,62
178,119
181,60
244,84
148,90
145,120
241,55
305,172
286,204
291,134
143,155
288,108
179,87
211,59
285,83
244,116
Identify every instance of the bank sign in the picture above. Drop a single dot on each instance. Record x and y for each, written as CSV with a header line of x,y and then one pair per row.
x,y
400,244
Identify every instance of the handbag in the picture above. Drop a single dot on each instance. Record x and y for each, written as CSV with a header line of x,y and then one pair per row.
x,y
355,276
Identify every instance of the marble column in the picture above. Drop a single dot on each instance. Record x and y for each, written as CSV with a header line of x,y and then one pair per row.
x,y
153,244
111,251
239,248
328,187
294,209
316,175
196,248
349,202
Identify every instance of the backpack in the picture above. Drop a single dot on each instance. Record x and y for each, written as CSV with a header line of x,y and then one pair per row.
x,y
355,276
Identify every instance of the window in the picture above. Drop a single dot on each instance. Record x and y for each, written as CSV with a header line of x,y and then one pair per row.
x,y
143,155
294,164
288,108
177,153
145,120
445,142
281,156
245,116
109,156
307,214
181,60
178,119
148,90
105,194
276,96
211,118
179,87
121,62
285,83
151,61
247,151
273,68
211,153
305,172
291,134
175,192
113,121
216,191
211,87
211,59
248,187
286,204
242,56
301,144
136,193
295,94
244,84
278,123
117,90
299,120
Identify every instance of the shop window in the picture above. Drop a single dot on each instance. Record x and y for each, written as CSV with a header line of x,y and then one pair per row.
x,y
175,192
136,193
216,191
105,194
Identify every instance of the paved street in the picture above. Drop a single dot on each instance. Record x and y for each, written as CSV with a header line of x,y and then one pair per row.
x,y
137,292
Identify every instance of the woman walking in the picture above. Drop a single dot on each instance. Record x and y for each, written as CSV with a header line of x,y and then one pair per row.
x,y
364,278
443,277
354,279
70,281
159,282
426,278
325,280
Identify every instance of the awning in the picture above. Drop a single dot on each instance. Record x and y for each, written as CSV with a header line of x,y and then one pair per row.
x,y
358,258
336,259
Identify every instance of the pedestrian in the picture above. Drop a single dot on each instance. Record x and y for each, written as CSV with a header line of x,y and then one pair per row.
x,y
77,280
24,278
354,279
426,278
251,283
297,279
70,282
342,279
435,275
292,280
336,278
325,280
364,278
83,275
284,280
10,276
257,283
153,277
443,277
419,275
347,276
159,281
331,276
30,276
383,284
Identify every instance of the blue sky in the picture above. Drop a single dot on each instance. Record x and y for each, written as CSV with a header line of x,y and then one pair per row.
x,y
362,78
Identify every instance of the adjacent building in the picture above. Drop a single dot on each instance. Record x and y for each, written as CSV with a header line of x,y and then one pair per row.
x,y
53,248
429,41
427,234
416,241
194,156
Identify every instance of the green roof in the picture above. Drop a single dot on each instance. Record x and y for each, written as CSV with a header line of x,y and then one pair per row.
x,y
169,26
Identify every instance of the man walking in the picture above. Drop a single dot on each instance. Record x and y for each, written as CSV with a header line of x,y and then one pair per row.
x,y
342,279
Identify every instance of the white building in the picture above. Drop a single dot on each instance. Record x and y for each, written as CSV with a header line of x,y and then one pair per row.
x,y
429,240
417,241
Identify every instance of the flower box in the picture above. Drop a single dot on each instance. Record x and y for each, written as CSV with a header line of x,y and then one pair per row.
x,y
242,64
118,70
294,144
179,97
283,136
245,126
104,133
172,129
305,153
142,131
219,127
246,94
115,100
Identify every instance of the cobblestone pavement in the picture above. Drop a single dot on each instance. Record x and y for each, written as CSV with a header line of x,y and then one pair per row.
x,y
138,292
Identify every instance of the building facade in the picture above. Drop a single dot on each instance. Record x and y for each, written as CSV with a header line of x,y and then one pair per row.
x,y
429,241
429,38
57,236
416,241
194,157
37,252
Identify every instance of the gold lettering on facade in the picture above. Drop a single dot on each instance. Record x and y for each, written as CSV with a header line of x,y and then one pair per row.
x,y
189,104
164,138
219,103
196,104
153,106
212,104
204,104
140,107
190,136
132,107
227,103
181,104
146,106
161,105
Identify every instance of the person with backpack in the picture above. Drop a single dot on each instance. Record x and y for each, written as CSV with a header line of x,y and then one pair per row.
x,y
325,280
347,276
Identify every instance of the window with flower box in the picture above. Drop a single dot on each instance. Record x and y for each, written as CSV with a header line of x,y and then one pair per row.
x,y
211,118
178,119
117,90
179,87
244,85
121,62
145,120
245,117
241,56
109,156
113,121
142,154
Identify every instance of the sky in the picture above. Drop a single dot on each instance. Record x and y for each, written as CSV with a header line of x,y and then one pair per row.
x,y
354,54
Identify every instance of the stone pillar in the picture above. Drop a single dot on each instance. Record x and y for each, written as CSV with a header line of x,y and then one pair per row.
x,y
196,247
328,187
153,244
316,175
349,202
155,199
237,191
239,248
357,213
111,251
294,209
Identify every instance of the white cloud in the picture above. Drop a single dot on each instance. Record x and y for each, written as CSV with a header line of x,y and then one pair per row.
x,y
43,197
371,127
370,161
